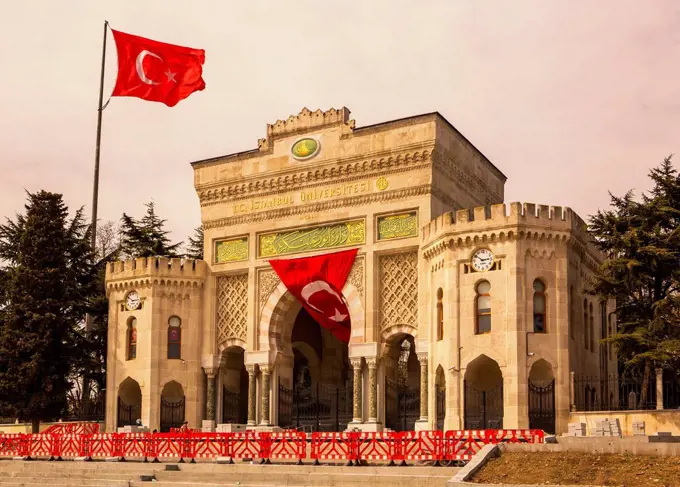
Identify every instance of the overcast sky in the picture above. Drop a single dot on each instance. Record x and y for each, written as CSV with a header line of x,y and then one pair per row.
x,y
569,98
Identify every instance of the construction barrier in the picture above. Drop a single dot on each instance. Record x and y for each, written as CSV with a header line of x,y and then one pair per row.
x,y
351,447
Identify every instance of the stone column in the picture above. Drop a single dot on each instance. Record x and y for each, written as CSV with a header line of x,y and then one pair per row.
x,y
252,394
659,388
266,393
372,389
572,392
210,399
424,396
357,415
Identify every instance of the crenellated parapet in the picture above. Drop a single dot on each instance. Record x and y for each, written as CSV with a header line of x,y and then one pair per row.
x,y
308,120
506,222
157,271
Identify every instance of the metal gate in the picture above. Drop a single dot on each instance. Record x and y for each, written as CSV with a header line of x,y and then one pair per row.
x,y
128,414
318,408
402,406
441,408
542,407
483,409
232,408
172,414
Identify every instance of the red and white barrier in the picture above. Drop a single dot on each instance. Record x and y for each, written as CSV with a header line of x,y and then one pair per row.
x,y
287,445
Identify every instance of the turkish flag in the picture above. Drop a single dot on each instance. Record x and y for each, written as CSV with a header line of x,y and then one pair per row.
x,y
317,282
156,71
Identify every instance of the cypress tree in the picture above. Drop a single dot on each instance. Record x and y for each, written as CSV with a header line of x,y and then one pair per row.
x,y
641,240
47,286
195,248
146,237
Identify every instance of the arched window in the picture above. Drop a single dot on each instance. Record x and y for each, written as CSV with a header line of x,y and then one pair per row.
x,y
586,333
440,314
539,306
483,303
174,338
592,329
132,338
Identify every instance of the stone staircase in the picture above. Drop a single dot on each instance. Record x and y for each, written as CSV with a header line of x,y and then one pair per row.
x,y
138,474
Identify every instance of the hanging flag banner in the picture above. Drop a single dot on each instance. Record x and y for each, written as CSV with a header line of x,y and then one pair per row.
x,y
317,282
156,71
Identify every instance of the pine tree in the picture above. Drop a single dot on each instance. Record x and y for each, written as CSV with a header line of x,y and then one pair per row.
x,y
195,248
146,237
48,282
641,240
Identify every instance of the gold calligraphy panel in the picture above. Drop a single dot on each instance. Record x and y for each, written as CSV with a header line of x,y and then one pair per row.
x,y
306,239
398,226
233,250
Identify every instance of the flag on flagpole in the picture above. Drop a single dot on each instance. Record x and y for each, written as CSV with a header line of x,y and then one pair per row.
x,y
156,71
317,282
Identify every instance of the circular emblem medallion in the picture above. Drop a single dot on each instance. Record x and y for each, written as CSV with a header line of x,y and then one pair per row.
x,y
304,149
382,183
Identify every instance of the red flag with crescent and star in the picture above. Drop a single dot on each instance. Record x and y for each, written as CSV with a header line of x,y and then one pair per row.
x,y
317,282
156,71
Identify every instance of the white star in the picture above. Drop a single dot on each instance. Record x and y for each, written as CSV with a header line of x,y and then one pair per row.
x,y
338,317
171,76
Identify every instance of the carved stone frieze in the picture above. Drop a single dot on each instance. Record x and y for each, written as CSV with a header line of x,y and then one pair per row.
x,y
399,289
268,281
232,307
357,275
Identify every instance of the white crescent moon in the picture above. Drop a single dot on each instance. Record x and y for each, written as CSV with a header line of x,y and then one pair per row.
x,y
313,288
140,67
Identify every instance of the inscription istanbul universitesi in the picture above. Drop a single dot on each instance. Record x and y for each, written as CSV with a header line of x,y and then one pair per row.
x,y
310,196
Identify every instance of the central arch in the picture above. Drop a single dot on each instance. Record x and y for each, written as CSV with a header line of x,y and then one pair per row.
x,y
402,381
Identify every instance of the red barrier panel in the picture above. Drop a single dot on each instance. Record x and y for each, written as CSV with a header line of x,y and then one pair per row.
x,y
207,445
287,445
244,445
377,446
421,445
13,445
69,446
463,445
42,446
171,445
334,446
103,445
515,436
136,445
72,429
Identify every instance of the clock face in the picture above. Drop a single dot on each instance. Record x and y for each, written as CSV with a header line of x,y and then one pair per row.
x,y
174,321
132,301
482,260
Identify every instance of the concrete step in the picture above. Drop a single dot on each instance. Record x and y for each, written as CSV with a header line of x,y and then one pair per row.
x,y
56,479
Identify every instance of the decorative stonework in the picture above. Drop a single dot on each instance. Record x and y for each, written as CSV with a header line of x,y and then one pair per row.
x,y
356,275
233,250
316,238
268,280
399,289
345,170
232,307
398,226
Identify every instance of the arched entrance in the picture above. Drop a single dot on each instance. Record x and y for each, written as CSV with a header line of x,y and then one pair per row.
x,y
129,402
172,406
440,398
234,380
321,395
483,386
542,397
402,383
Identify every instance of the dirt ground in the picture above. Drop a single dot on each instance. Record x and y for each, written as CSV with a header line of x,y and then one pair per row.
x,y
581,469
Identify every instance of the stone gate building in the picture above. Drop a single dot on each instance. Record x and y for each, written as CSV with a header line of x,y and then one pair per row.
x,y
465,312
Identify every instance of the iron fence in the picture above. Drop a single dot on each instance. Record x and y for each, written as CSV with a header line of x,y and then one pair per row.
x,y
618,393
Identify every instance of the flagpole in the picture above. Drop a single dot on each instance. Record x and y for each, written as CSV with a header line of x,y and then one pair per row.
x,y
95,190
95,200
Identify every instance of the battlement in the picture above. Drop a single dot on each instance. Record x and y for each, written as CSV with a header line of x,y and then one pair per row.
x,y
555,218
156,267
307,120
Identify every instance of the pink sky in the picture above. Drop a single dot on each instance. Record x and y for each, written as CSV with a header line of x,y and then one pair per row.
x,y
570,98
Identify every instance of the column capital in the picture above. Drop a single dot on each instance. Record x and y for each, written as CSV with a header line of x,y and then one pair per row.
x,y
251,369
372,363
210,372
356,363
265,369
422,359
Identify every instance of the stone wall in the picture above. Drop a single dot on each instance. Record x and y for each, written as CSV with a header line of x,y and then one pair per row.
x,y
655,421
